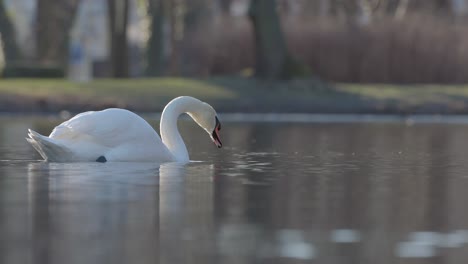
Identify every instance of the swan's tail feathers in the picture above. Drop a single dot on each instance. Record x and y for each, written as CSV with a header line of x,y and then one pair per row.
x,y
49,149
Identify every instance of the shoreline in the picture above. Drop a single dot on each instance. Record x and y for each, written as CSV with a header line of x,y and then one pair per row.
x,y
296,118
25,107
232,95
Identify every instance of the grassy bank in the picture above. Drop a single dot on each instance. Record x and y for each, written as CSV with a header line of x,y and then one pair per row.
x,y
231,95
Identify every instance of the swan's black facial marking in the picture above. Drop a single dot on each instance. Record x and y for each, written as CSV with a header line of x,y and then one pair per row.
x,y
215,133
218,124
101,159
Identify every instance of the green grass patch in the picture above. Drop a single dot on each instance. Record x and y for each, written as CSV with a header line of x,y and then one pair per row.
x,y
167,87
230,94
414,94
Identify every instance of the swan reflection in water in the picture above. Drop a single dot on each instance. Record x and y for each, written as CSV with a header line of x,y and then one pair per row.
x,y
113,213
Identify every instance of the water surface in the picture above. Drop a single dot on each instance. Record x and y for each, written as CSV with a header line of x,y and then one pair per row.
x,y
278,192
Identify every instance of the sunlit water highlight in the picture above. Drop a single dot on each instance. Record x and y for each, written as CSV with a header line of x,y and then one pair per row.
x,y
298,190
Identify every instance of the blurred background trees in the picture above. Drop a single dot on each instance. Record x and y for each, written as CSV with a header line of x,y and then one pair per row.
x,y
118,21
7,32
155,47
54,19
272,56
395,41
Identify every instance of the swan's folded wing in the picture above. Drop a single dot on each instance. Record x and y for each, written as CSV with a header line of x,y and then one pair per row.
x,y
109,127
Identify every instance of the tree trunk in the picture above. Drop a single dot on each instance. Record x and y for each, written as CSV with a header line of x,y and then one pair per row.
x,y
401,9
225,6
176,20
118,20
271,53
46,32
324,8
10,48
155,46
54,20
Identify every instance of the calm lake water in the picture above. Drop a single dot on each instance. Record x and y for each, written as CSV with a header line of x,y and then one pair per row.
x,y
304,191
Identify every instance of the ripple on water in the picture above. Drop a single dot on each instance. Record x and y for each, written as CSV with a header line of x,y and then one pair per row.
x,y
345,236
293,245
426,244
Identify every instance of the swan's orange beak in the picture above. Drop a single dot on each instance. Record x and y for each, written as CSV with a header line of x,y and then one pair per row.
x,y
215,134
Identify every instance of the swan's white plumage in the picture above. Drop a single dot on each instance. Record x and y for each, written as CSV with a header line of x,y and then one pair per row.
x,y
120,135
47,147
117,134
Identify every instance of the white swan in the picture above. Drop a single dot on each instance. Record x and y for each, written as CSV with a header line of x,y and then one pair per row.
x,y
120,135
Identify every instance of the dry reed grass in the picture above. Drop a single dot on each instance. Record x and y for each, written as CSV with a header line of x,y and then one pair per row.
x,y
419,49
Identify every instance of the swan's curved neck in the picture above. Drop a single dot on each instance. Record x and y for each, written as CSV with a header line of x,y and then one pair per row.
x,y
168,126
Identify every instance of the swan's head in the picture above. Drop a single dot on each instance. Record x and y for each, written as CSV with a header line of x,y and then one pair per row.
x,y
205,116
